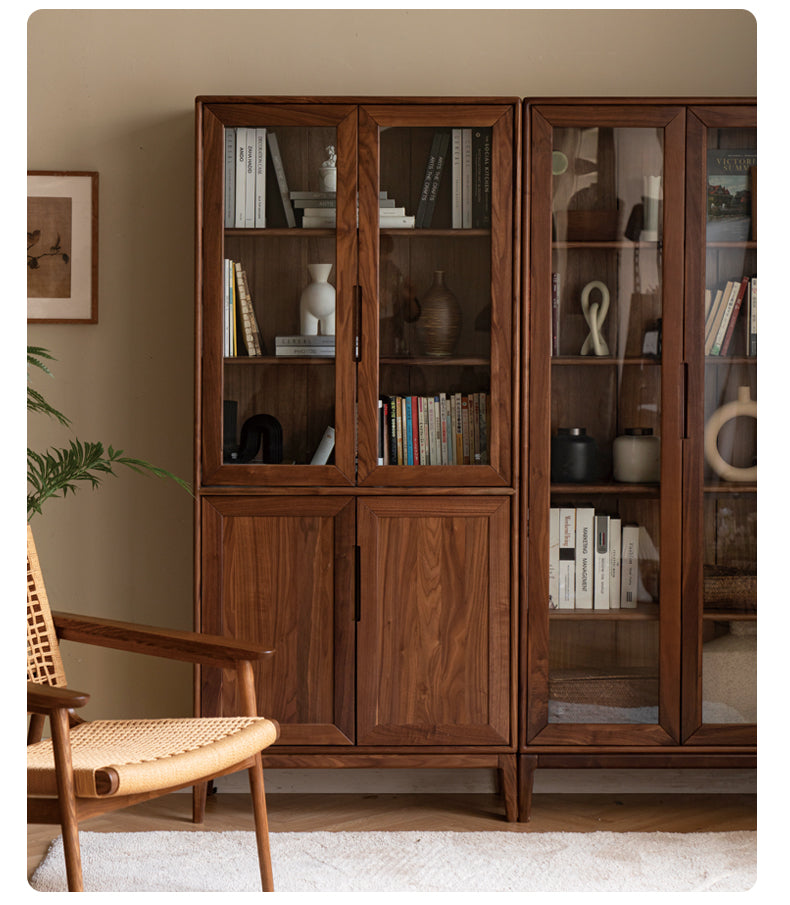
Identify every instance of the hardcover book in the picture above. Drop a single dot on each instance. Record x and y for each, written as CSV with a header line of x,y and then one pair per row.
x,y
729,194
585,550
567,559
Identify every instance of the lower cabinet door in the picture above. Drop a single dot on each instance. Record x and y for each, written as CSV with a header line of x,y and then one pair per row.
x,y
280,571
434,658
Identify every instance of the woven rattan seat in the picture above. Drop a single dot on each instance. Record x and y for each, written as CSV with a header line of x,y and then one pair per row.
x,y
91,767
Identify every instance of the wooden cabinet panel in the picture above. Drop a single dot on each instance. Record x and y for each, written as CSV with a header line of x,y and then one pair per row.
x,y
435,658
280,571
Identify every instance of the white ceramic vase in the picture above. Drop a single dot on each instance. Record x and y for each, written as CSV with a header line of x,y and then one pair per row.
x,y
317,303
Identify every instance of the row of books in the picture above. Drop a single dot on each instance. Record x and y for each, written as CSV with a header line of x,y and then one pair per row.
x,y
445,429
245,177
241,333
721,313
468,151
318,210
593,561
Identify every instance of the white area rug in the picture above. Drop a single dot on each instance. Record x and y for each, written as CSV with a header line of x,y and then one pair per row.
x,y
411,861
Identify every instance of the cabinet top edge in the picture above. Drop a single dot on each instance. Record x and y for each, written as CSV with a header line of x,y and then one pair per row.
x,y
641,100
401,100
472,99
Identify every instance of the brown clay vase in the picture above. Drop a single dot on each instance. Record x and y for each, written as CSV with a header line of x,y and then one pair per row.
x,y
440,319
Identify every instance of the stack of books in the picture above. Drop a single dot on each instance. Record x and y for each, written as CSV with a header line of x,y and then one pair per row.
x,y
593,561
721,313
445,429
318,210
305,346
241,333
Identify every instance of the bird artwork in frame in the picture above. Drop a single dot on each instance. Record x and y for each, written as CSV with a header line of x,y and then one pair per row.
x,y
62,247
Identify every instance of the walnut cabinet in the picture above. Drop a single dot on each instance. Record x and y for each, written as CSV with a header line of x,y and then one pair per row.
x,y
639,642
356,443
476,428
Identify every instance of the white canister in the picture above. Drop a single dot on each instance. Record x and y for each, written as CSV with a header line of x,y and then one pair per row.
x,y
637,456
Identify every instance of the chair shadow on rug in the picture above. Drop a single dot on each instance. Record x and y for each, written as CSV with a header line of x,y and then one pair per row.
x,y
90,768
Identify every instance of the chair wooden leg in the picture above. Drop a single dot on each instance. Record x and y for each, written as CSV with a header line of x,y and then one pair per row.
x,y
68,809
199,793
261,824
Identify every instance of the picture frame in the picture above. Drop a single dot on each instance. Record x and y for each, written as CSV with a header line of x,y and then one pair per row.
x,y
63,245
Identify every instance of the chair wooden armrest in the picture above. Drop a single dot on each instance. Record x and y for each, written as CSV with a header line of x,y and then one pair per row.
x,y
45,699
193,647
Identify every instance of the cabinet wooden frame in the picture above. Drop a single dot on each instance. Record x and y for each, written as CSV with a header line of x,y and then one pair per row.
x,y
212,118
324,525
542,120
501,119
702,117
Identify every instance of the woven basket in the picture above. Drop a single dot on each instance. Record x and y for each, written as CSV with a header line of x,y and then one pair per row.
x,y
605,690
730,589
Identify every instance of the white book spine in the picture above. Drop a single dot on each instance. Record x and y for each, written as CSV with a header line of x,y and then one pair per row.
x,y
241,175
567,577
554,558
260,178
249,189
629,567
601,571
230,178
585,558
615,538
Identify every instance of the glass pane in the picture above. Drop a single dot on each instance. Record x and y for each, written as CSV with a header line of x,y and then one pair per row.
x,y
279,374
605,425
729,652
435,296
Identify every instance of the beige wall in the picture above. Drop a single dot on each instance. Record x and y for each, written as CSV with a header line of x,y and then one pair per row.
x,y
113,91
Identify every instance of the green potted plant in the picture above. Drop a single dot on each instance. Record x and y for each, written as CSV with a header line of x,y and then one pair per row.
x,y
58,471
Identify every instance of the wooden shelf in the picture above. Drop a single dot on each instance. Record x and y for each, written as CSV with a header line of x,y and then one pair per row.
x,y
592,360
643,612
615,489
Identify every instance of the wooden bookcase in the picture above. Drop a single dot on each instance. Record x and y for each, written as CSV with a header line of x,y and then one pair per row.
x,y
387,587
410,603
618,197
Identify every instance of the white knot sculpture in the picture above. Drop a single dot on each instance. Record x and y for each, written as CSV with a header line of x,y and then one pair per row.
x,y
595,315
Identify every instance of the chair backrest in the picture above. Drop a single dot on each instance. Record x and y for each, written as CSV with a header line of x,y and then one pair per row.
x,y
44,664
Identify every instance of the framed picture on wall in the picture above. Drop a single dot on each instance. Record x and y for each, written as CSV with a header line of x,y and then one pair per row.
x,y
62,247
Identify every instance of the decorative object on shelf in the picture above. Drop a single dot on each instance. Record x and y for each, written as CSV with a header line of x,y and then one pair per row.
x,y
651,201
595,315
261,433
729,588
559,163
637,456
651,341
62,247
439,322
573,456
317,302
325,447
327,174
742,407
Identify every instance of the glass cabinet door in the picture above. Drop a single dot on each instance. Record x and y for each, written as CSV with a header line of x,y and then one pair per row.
x,y
436,271
605,423
722,532
278,285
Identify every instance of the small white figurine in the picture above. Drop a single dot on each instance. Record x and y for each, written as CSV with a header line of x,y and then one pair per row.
x,y
328,171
